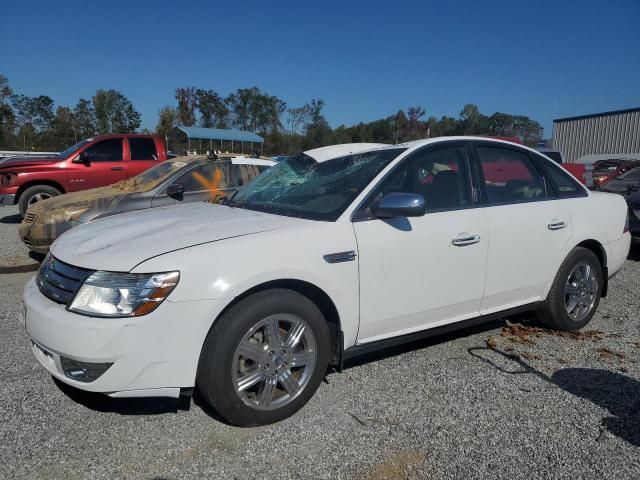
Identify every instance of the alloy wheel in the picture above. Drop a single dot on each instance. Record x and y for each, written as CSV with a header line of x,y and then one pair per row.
x,y
274,362
580,292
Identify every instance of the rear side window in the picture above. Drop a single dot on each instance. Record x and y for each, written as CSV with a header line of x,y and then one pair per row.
x,y
510,176
565,184
143,149
105,151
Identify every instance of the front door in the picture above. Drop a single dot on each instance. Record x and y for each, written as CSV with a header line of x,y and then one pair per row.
x,y
102,165
528,227
422,272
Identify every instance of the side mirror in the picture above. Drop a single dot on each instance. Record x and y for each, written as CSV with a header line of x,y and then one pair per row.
x,y
176,191
399,205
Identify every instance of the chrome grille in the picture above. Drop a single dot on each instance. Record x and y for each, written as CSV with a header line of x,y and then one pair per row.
x,y
30,218
60,281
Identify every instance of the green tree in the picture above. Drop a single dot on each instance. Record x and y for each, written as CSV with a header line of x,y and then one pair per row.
x,y
7,115
63,129
167,119
186,98
212,108
84,119
115,113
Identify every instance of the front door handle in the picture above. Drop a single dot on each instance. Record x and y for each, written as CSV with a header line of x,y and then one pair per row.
x,y
556,225
117,169
464,239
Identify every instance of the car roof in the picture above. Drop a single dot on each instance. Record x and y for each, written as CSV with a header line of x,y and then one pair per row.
x,y
334,151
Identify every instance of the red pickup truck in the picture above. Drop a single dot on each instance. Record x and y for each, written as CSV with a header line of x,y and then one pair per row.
x,y
94,162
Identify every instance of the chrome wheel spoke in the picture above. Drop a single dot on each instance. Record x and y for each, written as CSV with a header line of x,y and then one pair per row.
x,y
571,289
252,351
294,335
265,394
250,379
573,303
289,383
301,359
272,333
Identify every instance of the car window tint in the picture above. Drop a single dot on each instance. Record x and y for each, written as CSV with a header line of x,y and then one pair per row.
x,y
631,174
240,175
565,184
143,149
105,151
440,176
210,177
509,176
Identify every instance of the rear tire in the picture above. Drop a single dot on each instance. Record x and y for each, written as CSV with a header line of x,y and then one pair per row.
x,y
35,194
575,292
264,358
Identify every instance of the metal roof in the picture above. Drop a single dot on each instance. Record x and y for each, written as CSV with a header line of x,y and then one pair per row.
x,y
602,114
230,134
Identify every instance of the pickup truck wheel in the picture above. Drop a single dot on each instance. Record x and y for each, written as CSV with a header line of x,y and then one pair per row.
x,y
264,358
34,194
575,293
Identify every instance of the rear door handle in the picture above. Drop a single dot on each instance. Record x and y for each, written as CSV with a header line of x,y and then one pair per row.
x,y
117,169
556,225
464,239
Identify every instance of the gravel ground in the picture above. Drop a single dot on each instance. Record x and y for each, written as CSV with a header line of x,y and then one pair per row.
x,y
498,401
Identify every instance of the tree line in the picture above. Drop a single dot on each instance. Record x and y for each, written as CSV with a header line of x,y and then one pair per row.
x,y
28,123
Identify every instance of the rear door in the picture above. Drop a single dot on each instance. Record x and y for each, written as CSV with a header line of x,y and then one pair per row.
x,y
528,226
103,165
143,154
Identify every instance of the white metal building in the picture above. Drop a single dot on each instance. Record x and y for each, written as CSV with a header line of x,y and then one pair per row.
x,y
616,132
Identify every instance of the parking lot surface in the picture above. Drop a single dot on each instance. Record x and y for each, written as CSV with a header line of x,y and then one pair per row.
x,y
499,401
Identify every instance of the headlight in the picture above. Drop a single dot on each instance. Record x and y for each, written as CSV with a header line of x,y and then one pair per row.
x,y
108,294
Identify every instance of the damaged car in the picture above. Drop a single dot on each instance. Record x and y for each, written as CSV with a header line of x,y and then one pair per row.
x,y
327,255
180,180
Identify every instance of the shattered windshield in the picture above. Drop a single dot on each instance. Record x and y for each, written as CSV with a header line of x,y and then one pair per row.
x,y
302,187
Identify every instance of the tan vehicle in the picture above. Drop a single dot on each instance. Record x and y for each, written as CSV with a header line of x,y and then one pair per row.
x,y
181,180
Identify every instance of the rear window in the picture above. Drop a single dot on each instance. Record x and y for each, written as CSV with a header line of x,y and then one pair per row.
x,y
143,149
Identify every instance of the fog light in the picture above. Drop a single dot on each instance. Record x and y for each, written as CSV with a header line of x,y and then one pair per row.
x,y
83,371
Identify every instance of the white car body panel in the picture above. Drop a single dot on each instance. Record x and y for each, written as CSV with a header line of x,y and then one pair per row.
x,y
394,287
401,292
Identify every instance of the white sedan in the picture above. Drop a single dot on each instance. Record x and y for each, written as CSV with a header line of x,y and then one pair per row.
x,y
329,254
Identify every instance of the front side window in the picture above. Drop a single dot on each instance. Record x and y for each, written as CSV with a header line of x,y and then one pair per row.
x,y
440,176
240,175
105,151
143,149
302,187
211,177
509,176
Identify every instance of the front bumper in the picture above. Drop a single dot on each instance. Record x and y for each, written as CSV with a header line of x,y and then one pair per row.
x,y
7,199
153,355
38,237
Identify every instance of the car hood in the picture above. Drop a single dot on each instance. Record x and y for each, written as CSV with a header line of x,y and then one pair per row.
x,y
121,242
64,208
617,186
15,162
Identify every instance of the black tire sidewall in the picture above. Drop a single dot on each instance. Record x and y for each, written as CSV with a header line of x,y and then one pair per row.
x,y
214,370
557,316
23,201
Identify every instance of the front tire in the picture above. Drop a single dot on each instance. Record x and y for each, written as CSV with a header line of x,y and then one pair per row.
x,y
35,194
575,292
264,358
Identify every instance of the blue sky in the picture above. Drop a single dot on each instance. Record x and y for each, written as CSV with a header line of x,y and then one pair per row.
x,y
366,60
